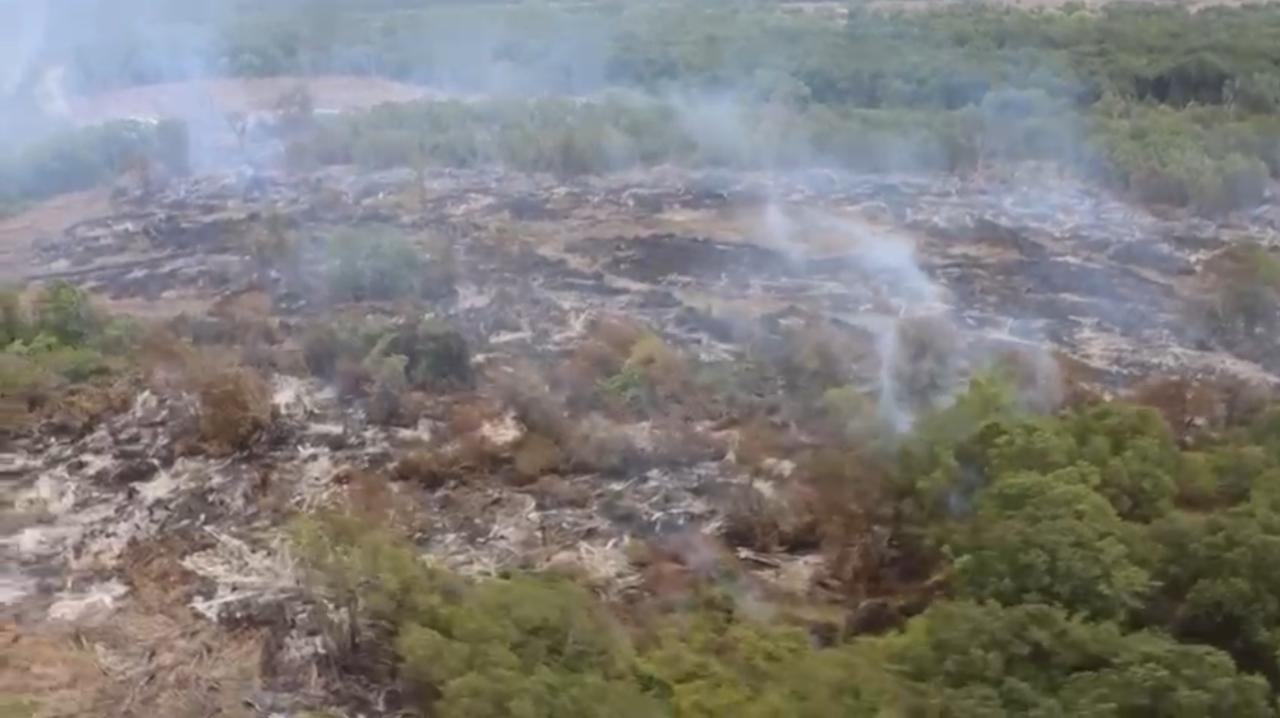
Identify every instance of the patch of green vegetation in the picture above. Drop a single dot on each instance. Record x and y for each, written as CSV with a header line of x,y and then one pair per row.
x,y
964,659
374,265
78,159
524,645
57,338
540,646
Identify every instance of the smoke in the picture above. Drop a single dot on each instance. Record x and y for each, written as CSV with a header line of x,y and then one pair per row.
x,y
892,410
22,29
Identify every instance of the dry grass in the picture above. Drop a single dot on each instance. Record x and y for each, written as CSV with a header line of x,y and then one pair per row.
x,y
135,665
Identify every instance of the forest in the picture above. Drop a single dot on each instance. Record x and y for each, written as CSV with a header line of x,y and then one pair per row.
x,y
1164,105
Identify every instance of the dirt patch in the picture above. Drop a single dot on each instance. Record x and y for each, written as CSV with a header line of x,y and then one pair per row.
x,y
216,98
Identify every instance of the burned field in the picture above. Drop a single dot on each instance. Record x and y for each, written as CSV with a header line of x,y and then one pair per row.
x,y
659,383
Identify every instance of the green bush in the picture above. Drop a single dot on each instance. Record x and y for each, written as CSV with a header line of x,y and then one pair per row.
x,y
710,662
967,659
1245,279
1050,539
525,645
377,265
63,311
58,338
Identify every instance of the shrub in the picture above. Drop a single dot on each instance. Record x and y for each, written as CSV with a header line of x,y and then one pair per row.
x,y
435,356
536,455
381,265
1245,279
711,662
63,311
235,406
983,659
14,324
390,384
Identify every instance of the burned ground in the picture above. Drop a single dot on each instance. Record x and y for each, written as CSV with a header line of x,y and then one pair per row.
x,y
610,378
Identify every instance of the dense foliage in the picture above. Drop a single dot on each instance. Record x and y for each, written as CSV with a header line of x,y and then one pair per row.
x,y
1171,106
1144,99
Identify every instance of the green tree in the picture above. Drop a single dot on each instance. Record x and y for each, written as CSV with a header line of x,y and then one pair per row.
x,y
1050,539
1217,582
970,659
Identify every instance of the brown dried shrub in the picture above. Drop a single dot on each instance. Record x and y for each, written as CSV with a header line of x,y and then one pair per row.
x,y
82,406
852,515
772,519
598,444
817,356
235,406
535,455
390,386
157,580
470,414
1035,375
580,375
758,440
290,360
678,442
51,668
191,669
1080,380
425,468
667,371
249,309
553,491
591,361
167,360
370,496
1191,405
617,333
522,388
351,378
